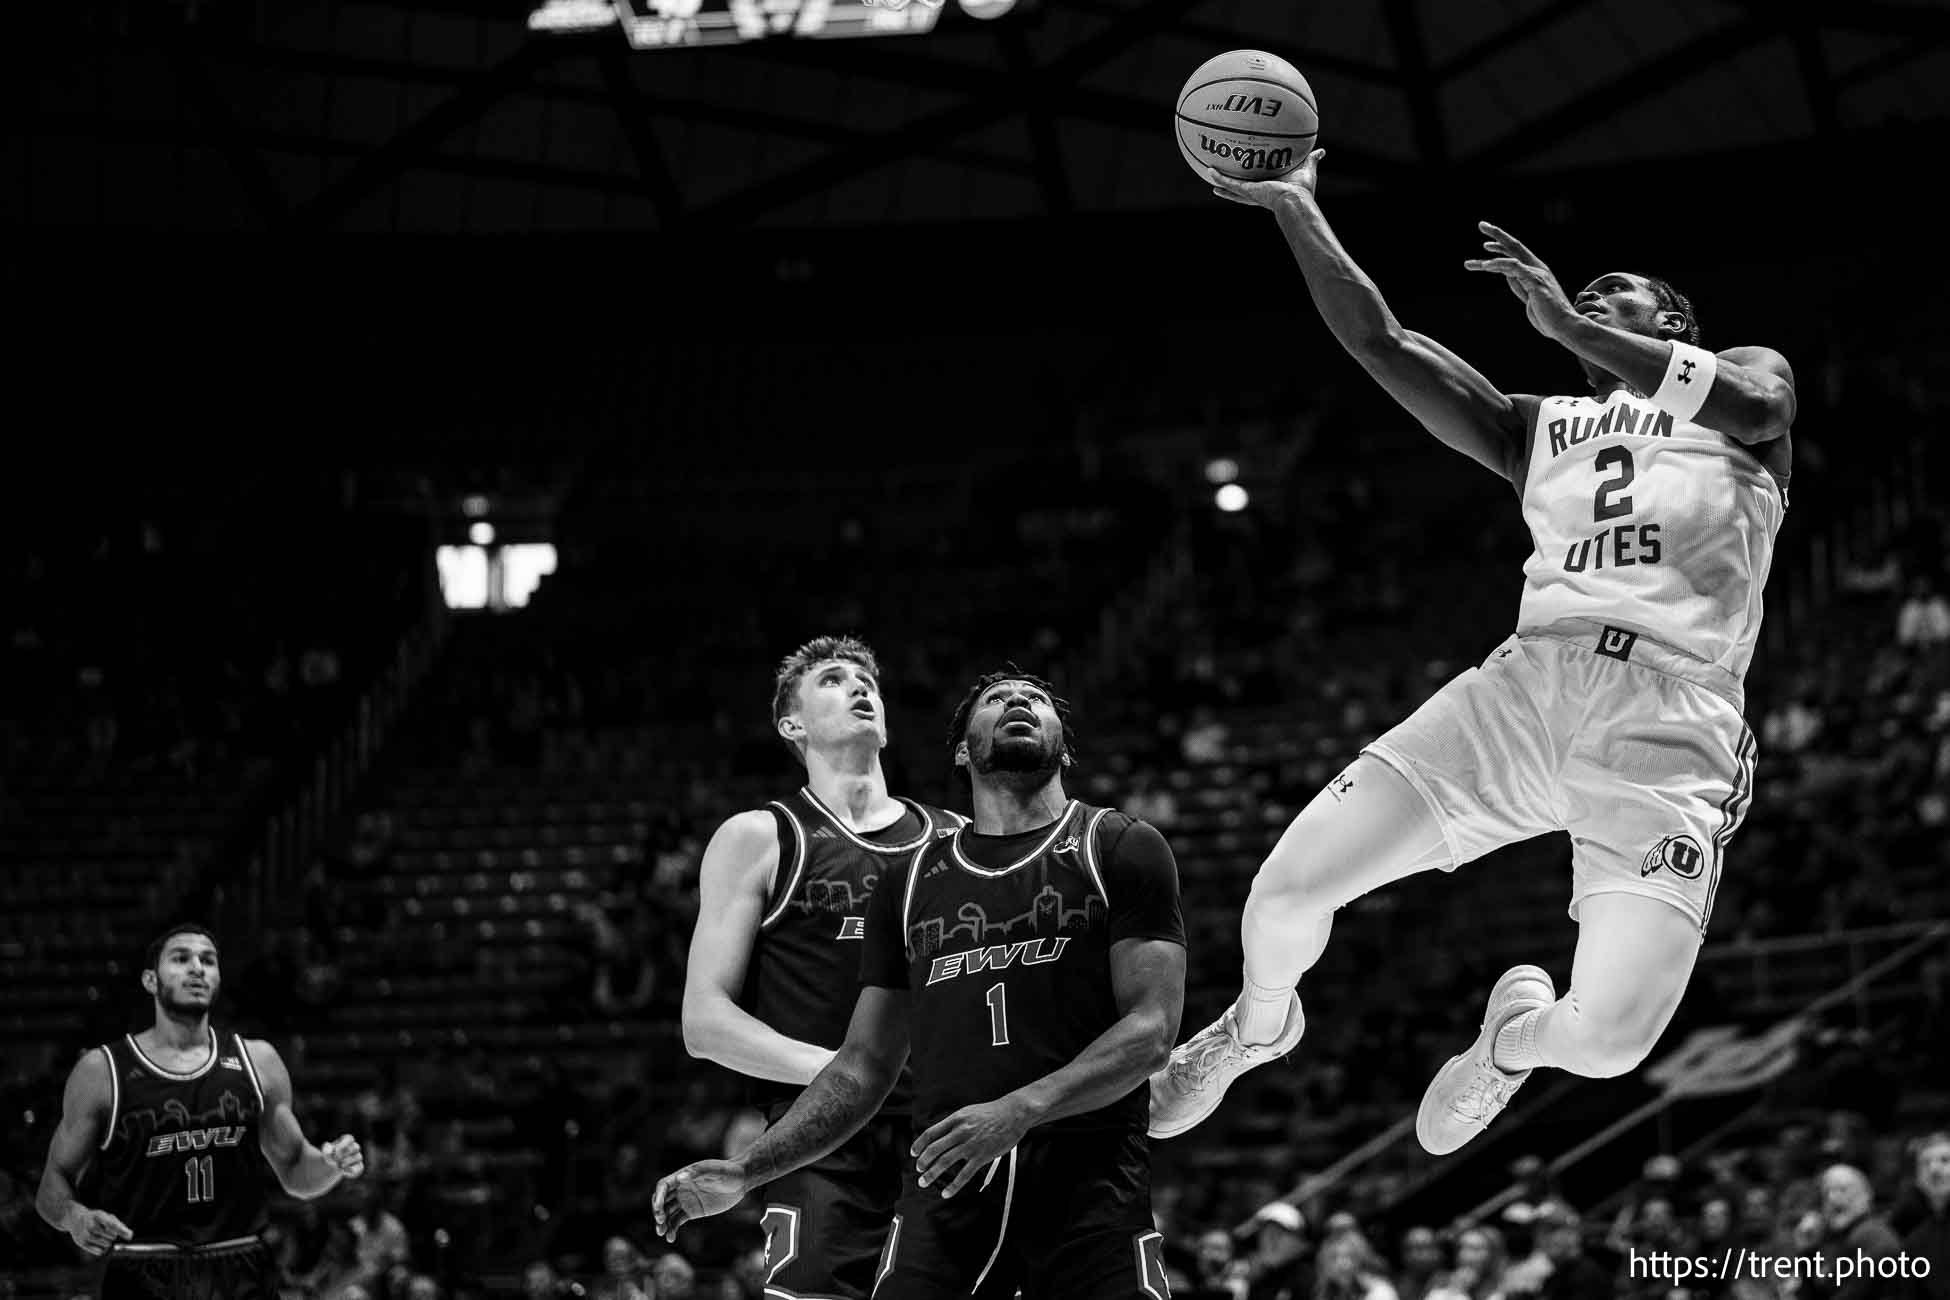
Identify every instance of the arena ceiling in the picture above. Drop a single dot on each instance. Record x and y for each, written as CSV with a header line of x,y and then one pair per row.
x,y
441,116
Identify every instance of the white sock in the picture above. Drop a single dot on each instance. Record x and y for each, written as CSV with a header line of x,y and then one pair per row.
x,y
1515,1049
1260,1014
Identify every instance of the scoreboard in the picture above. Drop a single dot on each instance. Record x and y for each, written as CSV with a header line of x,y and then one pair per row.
x,y
678,24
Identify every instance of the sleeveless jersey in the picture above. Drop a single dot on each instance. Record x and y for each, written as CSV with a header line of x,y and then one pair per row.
x,y
180,1163
1654,525
804,974
1009,970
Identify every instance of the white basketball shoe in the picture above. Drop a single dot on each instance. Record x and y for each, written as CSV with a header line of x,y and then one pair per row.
x,y
1470,1091
1203,1067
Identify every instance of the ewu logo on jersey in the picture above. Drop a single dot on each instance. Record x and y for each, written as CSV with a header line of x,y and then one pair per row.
x,y
1031,952
1679,854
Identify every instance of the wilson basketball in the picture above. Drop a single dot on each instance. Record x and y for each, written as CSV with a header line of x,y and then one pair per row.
x,y
1248,114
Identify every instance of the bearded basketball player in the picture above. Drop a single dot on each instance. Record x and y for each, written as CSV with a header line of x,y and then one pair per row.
x,y
1615,710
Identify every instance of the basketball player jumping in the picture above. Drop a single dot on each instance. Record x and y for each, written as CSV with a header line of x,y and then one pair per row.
x,y
1035,965
168,1117
775,959
1614,712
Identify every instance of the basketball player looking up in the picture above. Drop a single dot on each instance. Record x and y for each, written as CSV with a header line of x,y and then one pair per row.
x,y
775,959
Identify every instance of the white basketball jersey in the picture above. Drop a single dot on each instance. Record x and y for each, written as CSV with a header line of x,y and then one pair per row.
x,y
1650,524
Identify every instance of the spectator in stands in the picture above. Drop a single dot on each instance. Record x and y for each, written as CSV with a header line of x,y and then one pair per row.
x,y
1218,1272
1278,1265
1924,620
379,1237
1529,1265
1923,1215
674,1277
1574,1275
1481,1258
623,1273
745,1279
1849,1226
1421,1263
540,1281
1348,1270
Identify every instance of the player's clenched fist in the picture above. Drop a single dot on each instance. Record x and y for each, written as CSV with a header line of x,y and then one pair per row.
x,y
697,1192
96,1230
344,1155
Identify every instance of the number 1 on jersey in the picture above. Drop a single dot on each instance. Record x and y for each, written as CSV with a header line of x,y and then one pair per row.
x,y
201,1172
998,1000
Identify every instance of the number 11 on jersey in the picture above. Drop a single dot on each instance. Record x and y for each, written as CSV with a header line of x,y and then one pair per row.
x,y
201,1173
998,1000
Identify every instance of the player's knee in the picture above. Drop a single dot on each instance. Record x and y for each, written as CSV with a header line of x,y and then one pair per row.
x,y
1286,888
1612,1045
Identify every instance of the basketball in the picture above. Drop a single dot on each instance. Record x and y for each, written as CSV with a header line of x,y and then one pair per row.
x,y
1248,114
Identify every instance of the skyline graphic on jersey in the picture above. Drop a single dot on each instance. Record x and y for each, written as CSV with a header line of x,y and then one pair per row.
x,y
140,1126
835,896
1047,917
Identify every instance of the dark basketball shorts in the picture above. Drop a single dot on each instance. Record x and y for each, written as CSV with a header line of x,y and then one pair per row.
x,y
1064,1216
826,1224
244,1270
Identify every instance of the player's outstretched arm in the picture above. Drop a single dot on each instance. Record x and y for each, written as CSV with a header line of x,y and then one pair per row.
x,y
301,1168
734,882
1446,395
835,1105
85,1104
1750,392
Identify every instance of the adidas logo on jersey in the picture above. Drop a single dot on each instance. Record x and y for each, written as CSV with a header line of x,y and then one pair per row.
x,y
935,870
230,1063
823,833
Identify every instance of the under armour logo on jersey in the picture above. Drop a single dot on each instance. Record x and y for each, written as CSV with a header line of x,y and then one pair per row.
x,y
1686,371
1340,785
1679,854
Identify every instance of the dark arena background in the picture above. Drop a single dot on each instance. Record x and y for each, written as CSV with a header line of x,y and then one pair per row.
x,y
434,419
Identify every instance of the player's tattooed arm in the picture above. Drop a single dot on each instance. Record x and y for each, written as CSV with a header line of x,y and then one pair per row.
x,y
835,1106
85,1106
301,1168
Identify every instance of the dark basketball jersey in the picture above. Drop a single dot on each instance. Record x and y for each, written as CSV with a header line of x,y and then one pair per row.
x,y
1004,944
180,1163
804,974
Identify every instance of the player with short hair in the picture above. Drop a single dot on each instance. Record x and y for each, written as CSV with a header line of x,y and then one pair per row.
x,y
1034,965
167,1119
1614,712
775,958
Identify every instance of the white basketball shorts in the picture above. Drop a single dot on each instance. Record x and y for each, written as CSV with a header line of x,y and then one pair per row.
x,y
1637,750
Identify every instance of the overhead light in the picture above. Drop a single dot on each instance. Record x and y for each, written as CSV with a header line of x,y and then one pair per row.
x,y
1231,498
481,534
987,8
571,16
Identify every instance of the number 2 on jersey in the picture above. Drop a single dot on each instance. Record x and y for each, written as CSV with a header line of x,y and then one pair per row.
x,y
201,1174
998,1000
1620,458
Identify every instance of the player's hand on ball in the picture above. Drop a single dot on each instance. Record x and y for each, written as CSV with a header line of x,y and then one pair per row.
x,y
1267,194
96,1230
697,1192
344,1155
1545,303
973,1138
